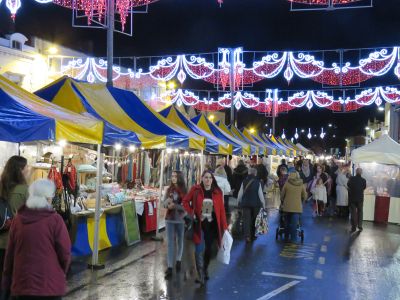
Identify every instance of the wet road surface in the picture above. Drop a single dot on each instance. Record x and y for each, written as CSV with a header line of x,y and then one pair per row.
x,y
330,264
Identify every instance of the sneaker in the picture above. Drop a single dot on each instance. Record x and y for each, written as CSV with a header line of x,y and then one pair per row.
x,y
168,273
206,277
178,265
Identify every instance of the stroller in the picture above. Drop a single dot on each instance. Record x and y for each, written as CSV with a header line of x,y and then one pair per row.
x,y
280,230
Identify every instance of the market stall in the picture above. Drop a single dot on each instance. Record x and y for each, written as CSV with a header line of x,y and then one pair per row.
x,y
253,148
380,161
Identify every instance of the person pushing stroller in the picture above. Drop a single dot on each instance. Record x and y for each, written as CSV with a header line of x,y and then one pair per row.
x,y
292,196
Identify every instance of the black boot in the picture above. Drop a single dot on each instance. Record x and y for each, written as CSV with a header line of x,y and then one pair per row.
x,y
199,257
178,266
168,273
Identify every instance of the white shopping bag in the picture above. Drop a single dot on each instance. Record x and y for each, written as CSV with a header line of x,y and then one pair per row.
x,y
224,253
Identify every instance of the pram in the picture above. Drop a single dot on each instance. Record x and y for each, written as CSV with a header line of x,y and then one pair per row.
x,y
280,231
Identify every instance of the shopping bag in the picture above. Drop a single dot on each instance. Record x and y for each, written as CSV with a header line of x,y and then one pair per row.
x,y
224,253
262,222
237,223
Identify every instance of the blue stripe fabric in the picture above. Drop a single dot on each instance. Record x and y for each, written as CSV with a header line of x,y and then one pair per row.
x,y
81,245
115,229
20,124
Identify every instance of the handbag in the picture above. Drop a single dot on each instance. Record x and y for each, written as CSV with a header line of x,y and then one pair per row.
x,y
189,221
261,223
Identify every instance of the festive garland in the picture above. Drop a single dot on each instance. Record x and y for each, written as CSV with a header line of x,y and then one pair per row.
x,y
296,100
306,66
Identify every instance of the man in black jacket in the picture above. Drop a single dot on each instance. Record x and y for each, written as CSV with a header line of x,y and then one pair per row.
x,y
356,185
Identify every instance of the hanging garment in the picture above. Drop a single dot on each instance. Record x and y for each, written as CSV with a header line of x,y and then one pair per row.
x,y
124,172
70,172
130,168
147,166
55,176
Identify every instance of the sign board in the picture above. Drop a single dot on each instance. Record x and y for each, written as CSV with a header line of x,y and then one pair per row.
x,y
131,225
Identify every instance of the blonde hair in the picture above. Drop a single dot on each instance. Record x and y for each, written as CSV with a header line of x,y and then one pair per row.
x,y
39,192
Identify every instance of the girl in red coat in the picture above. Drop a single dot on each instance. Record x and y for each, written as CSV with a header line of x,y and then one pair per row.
x,y
205,202
39,249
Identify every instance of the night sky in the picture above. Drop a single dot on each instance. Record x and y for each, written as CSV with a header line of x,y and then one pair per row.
x,y
196,26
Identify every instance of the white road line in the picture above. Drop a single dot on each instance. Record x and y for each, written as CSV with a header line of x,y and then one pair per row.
x,y
321,260
279,290
283,275
324,248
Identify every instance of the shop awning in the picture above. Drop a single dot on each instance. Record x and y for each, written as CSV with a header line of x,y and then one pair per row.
x,y
62,93
224,128
126,111
262,145
270,144
239,148
384,150
213,145
26,117
302,148
289,150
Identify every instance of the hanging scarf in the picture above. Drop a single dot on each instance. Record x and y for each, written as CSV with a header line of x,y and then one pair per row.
x,y
55,176
70,171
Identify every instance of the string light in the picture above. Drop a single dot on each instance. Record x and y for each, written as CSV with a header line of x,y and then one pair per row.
x,y
303,65
296,135
322,135
309,135
283,134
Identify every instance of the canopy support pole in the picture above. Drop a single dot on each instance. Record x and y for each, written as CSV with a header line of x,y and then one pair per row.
x,y
275,101
158,237
99,175
201,163
110,42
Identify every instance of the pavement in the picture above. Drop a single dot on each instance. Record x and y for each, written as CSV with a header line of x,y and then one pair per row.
x,y
330,264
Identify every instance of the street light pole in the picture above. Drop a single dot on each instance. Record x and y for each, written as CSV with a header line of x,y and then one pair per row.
x,y
274,102
110,42
232,83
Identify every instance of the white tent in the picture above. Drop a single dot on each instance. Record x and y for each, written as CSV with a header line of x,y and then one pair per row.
x,y
302,148
383,150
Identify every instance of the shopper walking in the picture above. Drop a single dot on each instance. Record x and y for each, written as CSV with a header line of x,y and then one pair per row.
x,y
320,197
282,165
174,221
306,173
223,183
205,203
250,199
39,248
342,195
292,196
356,185
14,191
239,174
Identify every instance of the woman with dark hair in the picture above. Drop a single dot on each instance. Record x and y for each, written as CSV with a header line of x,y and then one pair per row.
x,y
205,203
174,220
14,190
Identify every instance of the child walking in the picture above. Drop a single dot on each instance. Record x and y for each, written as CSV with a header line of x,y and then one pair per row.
x,y
320,197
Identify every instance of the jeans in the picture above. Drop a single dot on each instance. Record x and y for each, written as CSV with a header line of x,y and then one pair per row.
x,y
249,221
356,214
175,232
292,220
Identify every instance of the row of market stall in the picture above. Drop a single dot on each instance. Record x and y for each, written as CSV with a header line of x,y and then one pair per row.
x,y
112,168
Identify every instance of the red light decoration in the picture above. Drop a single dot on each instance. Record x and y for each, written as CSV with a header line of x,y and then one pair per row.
x,y
324,2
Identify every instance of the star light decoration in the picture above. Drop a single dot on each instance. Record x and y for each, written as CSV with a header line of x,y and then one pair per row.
x,y
91,8
306,66
309,99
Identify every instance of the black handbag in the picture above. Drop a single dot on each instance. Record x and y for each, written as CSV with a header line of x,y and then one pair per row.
x,y
190,223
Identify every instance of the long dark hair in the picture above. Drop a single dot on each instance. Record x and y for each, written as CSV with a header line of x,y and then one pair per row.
x,y
214,184
180,183
12,175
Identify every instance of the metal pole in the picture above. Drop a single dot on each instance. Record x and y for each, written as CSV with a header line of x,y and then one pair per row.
x,y
202,162
158,237
97,213
232,83
274,100
110,42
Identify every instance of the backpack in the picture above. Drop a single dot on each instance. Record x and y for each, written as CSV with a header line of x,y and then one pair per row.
x,y
5,215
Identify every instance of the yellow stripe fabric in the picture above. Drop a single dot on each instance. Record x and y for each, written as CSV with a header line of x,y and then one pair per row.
x,y
104,241
70,126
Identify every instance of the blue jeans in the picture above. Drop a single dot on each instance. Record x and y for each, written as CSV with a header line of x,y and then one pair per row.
x,y
292,220
175,232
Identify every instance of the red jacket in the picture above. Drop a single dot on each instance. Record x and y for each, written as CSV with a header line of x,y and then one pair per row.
x,y
194,206
38,254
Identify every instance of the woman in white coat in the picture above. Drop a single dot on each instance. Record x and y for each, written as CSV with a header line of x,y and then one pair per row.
x,y
223,183
342,196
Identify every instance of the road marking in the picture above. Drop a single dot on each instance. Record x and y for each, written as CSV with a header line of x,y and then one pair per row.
x,y
318,274
284,275
321,260
279,290
298,251
324,248
327,238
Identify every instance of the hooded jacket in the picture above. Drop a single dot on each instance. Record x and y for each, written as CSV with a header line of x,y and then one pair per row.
x,y
239,174
38,254
293,194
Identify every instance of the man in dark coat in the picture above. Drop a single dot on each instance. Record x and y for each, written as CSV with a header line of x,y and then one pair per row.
x,y
356,185
250,199
282,165
239,174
